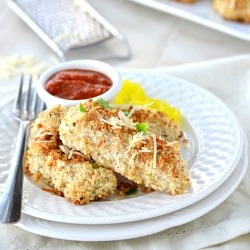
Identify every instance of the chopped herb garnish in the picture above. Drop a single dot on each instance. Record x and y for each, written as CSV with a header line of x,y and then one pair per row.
x,y
126,113
82,108
27,148
142,127
104,104
131,191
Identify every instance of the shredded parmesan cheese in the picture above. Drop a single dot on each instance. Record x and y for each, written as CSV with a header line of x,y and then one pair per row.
x,y
15,65
131,112
113,121
67,34
126,121
77,153
138,137
70,153
121,120
64,149
147,105
42,133
145,150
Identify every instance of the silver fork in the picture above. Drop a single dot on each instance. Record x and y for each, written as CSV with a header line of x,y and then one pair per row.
x,y
25,109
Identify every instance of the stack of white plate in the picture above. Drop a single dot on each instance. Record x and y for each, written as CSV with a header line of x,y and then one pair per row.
x,y
217,159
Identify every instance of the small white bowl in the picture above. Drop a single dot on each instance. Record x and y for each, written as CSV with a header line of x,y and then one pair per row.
x,y
94,65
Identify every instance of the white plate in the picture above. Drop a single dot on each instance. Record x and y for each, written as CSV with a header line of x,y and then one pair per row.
x,y
202,13
215,147
140,228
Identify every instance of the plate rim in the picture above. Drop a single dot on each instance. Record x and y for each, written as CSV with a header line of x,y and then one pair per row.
x,y
179,12
178,218
121,218
118,219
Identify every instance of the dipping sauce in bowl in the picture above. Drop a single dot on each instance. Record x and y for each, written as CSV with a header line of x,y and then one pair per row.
x,y
73,82
78,84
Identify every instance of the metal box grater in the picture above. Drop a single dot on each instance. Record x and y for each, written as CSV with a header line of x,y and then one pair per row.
x,y
66,24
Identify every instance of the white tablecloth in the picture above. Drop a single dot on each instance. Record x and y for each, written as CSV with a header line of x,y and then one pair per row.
x,y
157,40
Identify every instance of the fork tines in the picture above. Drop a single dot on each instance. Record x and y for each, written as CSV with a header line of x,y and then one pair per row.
x,y
27,104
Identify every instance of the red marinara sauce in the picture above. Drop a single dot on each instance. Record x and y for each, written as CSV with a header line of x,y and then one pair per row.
x,y
77,84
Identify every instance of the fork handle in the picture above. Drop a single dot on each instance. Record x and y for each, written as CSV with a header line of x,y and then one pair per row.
x,y
11,202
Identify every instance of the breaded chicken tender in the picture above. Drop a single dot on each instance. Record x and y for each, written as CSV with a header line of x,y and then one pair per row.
x,y
109,137
45,127
238,10
66,171
76,179
50,119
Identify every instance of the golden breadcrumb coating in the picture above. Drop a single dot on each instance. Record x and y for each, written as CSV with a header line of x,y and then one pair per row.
x,y
67,172
76,179
50,118
238,10
109,137
45,127
158,122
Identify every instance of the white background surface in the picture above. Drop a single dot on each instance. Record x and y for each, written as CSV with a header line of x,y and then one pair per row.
x,y
202,13
215,147
156,39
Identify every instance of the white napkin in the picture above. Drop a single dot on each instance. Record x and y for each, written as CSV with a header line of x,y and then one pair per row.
x,y
229,79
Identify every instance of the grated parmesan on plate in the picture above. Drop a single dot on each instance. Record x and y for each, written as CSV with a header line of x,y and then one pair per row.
x,y
15,65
